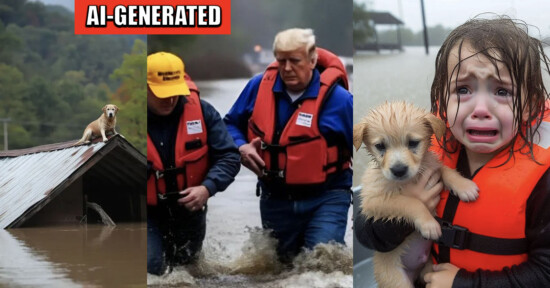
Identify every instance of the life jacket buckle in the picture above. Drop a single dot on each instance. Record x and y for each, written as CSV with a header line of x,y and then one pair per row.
x,y
453,236
159,174
168,197
274,173
272,147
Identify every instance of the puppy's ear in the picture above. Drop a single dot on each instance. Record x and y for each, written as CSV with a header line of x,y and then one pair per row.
x,y
438,126
104,108
359,132
116,108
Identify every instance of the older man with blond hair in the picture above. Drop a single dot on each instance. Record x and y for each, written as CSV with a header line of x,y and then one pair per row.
x,y
293,126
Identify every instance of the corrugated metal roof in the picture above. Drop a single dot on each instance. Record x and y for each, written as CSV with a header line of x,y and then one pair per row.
x,y
31,177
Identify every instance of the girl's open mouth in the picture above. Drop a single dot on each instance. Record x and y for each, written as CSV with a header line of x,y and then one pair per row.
x,y
488,133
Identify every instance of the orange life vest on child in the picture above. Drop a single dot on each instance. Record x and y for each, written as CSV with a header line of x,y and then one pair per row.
x,y
300,155
191,150
495,222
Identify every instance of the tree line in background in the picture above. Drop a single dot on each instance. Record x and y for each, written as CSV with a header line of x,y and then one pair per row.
x,y
436,36
53,83
256,23
363,32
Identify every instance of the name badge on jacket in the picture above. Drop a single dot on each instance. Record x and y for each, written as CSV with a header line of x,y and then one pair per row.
x,y
304,119
194,127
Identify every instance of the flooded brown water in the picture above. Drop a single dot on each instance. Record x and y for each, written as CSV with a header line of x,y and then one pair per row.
x,y
74,256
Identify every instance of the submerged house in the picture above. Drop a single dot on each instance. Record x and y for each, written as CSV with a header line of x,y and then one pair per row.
x,y
59,184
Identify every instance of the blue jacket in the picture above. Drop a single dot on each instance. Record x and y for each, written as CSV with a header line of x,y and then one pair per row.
x,y
335,120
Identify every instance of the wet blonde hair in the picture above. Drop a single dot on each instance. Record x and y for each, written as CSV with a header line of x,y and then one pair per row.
x,y
295,38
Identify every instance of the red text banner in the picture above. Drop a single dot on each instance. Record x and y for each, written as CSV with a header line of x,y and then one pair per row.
x,y
152,17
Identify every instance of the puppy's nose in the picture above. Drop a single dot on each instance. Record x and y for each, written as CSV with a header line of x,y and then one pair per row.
x,y
399,170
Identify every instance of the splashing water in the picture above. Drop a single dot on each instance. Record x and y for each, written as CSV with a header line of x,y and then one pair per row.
x,y
327,265
326,258
259,255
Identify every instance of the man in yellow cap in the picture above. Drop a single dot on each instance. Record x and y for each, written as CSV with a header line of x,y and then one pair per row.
x,y
190,157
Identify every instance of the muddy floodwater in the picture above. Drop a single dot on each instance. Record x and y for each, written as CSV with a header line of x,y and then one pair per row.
x,y
74,256
237,253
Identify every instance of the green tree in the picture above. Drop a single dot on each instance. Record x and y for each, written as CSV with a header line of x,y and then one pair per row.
x,y
131,97
11,44
361,26
52,82
12,87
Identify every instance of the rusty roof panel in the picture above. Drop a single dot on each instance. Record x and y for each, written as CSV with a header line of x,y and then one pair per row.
x,y
27,179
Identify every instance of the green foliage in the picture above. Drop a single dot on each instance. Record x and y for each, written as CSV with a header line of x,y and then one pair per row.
x,y
131,98
11,97
362,29
53,83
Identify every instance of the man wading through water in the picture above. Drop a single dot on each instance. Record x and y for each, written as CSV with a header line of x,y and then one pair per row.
x,y
293,126
190,157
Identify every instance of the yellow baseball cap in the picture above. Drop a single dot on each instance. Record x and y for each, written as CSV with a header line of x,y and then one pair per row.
x,y
165,75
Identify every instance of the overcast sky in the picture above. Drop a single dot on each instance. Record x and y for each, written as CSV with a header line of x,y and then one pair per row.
x,y
451,13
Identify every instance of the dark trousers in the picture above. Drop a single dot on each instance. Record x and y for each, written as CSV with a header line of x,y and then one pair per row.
x,y
305,223
174,237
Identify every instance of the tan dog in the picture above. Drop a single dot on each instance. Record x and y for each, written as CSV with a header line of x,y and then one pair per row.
x,y
397,136
104,124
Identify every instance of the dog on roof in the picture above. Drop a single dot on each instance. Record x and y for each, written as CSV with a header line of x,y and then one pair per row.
x,y
103,125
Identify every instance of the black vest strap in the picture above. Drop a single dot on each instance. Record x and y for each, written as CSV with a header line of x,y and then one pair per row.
x,y
448,216
168,174
457,237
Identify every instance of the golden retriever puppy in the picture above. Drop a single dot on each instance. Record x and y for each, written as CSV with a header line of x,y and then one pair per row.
x,y
397,136
104,124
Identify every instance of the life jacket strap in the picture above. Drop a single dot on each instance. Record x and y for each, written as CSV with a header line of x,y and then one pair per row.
x,y
169,172
168,196
458,237
343,160
269,174
272,147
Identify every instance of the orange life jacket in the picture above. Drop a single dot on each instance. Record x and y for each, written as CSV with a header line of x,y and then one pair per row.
x,y
300,155
489,233
191,151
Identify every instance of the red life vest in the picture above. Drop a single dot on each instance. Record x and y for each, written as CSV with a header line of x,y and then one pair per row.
x,y
301,154
496,220
191,150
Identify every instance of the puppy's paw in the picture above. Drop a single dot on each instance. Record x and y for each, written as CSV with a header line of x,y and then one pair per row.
x,y
429,228
105,139
466,190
